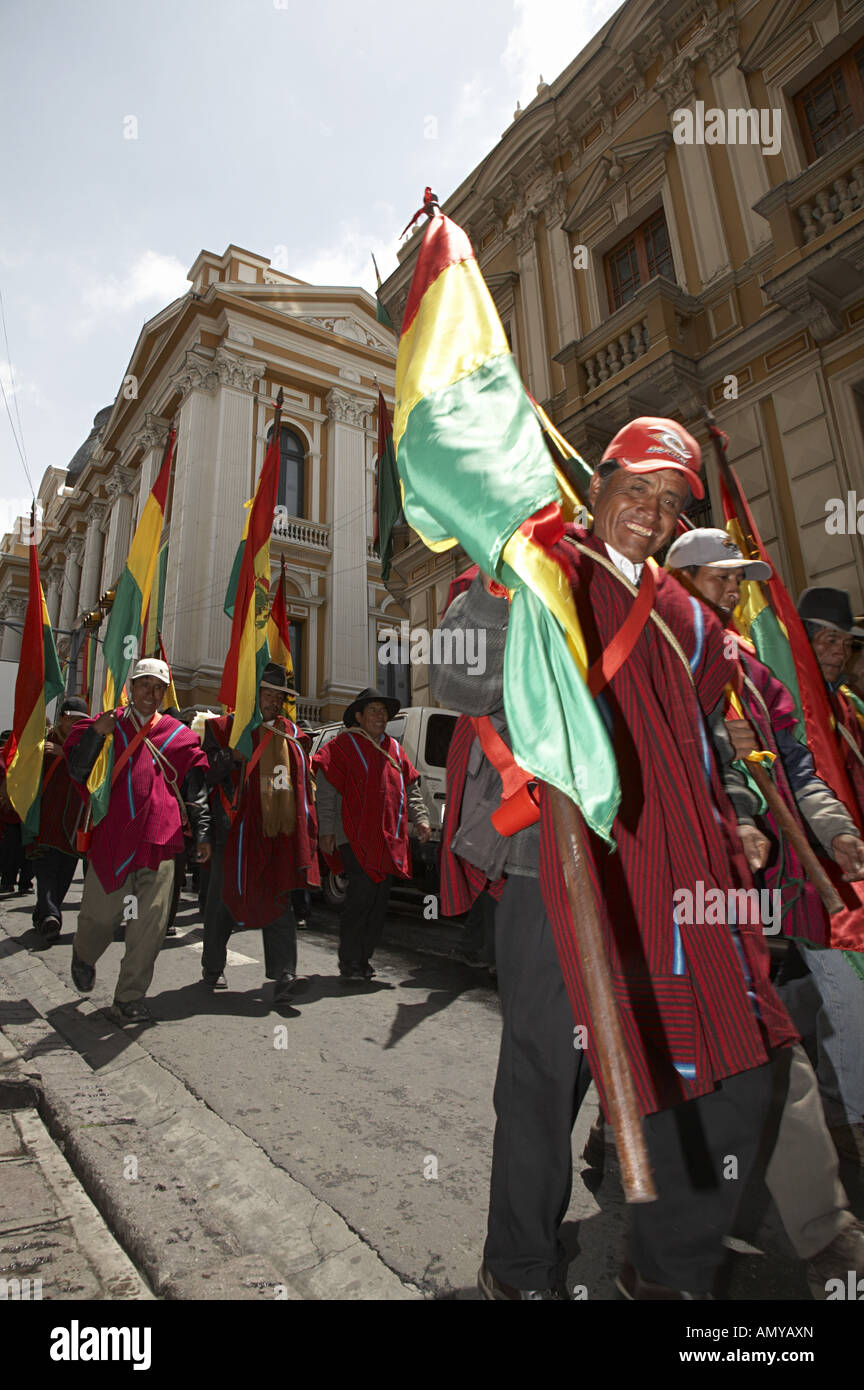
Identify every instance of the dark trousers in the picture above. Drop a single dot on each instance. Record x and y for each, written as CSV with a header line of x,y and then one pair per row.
x,y
541,1082
54,873
179,880
280,937
14,864
362,920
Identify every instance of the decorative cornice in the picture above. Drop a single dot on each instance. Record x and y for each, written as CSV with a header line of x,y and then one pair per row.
x,y
676,86
346,409
243,373
720,44
152,434
346,326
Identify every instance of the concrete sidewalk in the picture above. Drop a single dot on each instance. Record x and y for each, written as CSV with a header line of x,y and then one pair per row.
x,y
197,1204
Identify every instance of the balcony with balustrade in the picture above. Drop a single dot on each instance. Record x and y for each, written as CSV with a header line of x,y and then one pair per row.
x,y
817,222
297,530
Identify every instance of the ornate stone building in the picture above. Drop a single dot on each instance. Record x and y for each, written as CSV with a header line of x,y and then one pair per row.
x,y
638,275
212,363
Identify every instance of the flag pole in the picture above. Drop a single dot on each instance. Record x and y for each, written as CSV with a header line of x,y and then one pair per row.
x,y
610,1056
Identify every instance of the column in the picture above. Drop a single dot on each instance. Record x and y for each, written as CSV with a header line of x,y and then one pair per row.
x,y
91,569
537,361
119,537
14,609
746,162
74,547
347,645
54,592
569,327
706,223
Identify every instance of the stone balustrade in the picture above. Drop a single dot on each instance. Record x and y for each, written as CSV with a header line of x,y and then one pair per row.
x,y
623,349
293,528
308,709
837,200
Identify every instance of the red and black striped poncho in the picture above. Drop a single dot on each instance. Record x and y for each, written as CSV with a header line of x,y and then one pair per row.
x,y
374,799
260,871
696,1002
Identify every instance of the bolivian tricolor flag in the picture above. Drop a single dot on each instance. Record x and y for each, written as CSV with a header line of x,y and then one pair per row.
x,y
150,635
475,468
39,681
123,633
279,639
247,654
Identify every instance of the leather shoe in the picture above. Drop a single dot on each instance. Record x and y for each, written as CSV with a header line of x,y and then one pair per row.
x,y
638,1290
83,975
214,979
133,1011
284,987
496,1291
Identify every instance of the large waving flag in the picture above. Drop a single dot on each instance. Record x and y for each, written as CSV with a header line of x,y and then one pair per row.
x,y
39,681
123,634
248,652
150,639
170,701
279,638
388,501
475,468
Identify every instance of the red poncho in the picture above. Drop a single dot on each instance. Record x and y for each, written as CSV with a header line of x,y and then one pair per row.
x,y
142,826
374,799
695,1000
259,871
62,804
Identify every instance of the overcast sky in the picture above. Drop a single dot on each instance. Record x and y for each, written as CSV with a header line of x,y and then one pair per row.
x,y
267,123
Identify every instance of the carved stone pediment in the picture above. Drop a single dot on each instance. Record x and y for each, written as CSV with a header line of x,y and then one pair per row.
x,y
616,167
346,326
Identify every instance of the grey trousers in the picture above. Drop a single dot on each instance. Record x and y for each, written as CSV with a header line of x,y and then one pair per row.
x,y
143,902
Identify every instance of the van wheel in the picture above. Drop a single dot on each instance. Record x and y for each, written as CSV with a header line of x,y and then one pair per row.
x,y
334,888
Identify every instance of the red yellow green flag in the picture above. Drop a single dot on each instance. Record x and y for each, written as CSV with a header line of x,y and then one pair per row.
x,y
170,701
39,681
248,653
122,638
475,468
388,500
279,639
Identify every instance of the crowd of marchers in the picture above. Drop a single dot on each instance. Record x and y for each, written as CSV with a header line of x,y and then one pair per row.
x,y
712,1019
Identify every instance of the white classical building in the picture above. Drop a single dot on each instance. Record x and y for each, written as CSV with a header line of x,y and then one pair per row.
x,y
211,364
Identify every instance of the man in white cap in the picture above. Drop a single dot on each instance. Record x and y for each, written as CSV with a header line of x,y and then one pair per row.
x,y
130,872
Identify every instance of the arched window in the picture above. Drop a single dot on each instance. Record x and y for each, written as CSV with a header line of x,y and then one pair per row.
x,y
292,472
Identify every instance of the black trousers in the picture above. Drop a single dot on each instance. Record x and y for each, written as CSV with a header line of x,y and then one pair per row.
x,y
541,1082
362,920
14,864
280,936
54,872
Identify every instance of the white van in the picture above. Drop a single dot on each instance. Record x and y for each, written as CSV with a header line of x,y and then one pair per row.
x,y
425,734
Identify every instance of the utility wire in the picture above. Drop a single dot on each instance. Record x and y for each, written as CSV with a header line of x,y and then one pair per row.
x,y
19,443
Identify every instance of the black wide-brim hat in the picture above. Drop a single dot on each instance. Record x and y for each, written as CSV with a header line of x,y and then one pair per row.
x,y
275,677
831,608
365,698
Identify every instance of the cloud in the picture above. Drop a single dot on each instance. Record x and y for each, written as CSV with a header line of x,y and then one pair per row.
x,y
152,279
547,36
346,261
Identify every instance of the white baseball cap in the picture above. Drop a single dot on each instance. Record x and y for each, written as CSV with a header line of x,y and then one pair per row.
x,y
152,666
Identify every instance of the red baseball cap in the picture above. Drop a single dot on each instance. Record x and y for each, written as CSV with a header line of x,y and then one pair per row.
x,y
651,443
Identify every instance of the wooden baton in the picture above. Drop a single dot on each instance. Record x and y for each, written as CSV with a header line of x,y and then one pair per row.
x,y
609,1058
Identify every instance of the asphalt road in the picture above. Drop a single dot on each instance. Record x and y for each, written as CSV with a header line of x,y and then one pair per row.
x,y
378,1098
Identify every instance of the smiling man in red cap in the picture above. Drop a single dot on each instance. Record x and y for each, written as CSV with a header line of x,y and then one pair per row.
x,y
699,1016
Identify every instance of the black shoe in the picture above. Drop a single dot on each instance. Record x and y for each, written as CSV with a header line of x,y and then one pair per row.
x,y
134,1011
496,1291
302,924
367,972
638,1290
48,929
284,987
213,979
352,972
83,975
171,931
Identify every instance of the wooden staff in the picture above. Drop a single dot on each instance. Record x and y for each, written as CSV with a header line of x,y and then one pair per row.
x,y
831,899
609,1058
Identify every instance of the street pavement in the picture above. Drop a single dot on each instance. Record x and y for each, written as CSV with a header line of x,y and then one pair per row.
x,y
337,1148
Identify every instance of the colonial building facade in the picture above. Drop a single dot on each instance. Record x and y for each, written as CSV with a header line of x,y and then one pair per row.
x,y
637,272
211,364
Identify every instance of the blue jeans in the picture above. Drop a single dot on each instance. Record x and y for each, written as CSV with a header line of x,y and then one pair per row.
x,y
837,1016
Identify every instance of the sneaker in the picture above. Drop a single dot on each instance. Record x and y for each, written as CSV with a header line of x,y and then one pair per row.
x,y
213,979
496,1291
638,1290
844,1254
83,975
133,1011
849,1142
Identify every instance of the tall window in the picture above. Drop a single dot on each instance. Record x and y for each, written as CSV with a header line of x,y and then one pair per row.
x,y
832,105
292,472
395,681
296,631
631,263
